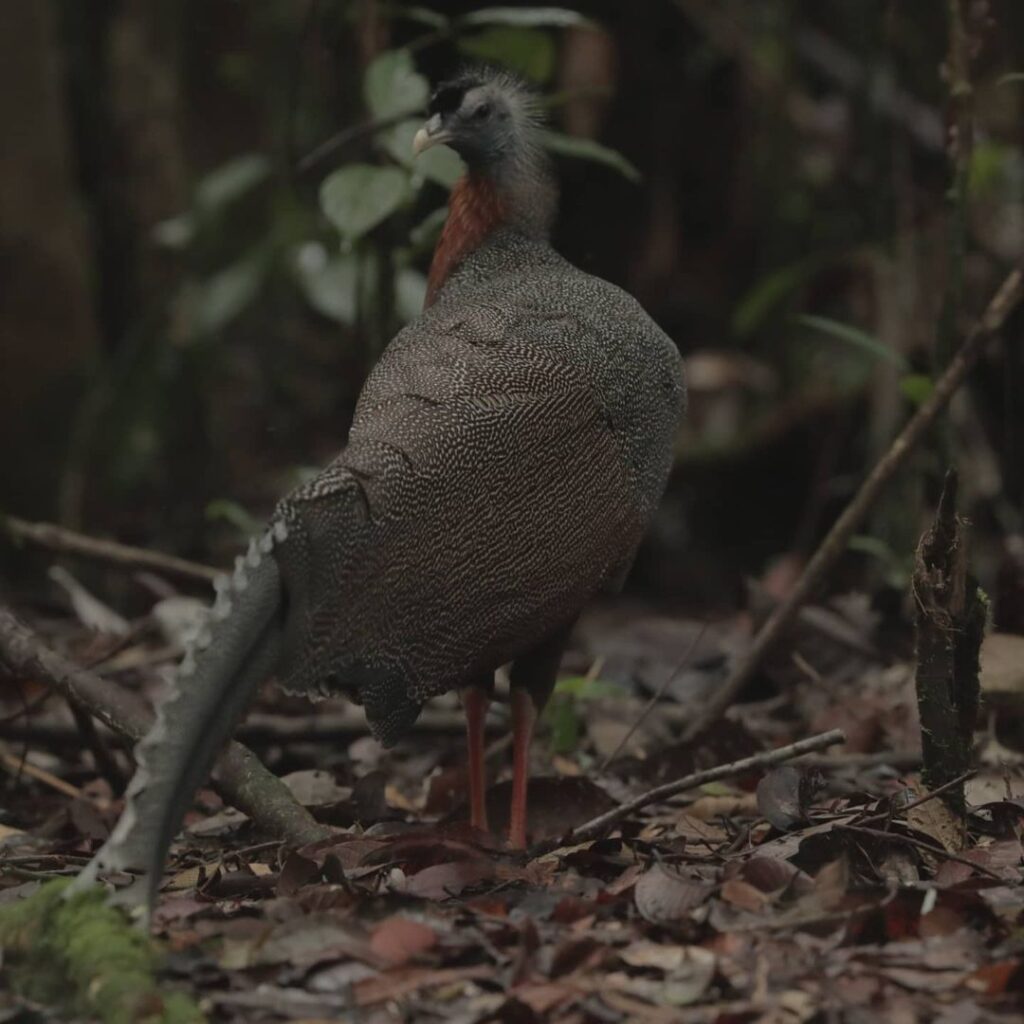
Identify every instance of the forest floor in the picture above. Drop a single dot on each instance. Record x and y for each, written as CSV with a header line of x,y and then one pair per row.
x,y
833,888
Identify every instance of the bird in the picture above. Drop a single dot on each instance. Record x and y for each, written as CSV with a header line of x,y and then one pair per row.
x,y
506,455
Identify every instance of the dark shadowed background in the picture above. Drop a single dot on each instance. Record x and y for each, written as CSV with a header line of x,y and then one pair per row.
x,y
814,199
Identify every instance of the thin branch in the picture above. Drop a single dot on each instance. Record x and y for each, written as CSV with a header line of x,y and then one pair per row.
x,y
923,799
106,763
19,766
766,759
240,777
920,844
837,539
57,538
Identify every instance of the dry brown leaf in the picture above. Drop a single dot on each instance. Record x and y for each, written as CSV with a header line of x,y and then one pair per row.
x,y
403,981
936,820
663,896
708,808
398,940
700,830
743,895
443,881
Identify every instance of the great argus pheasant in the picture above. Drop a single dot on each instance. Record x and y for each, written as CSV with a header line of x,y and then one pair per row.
x,y
506,455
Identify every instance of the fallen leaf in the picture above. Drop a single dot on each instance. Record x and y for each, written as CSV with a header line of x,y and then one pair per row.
x,y
743,895
664,897
700,831
708,808
784,795
443,881
315,787
398,940
939,823
403,981
653,954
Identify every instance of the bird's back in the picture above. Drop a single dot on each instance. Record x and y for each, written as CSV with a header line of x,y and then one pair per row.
x,y
505,457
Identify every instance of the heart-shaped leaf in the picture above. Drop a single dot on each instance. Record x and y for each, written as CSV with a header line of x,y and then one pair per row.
x,y
529,51
357,198
392,86
552,17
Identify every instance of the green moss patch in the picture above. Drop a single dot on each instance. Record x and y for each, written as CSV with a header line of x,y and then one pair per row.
x,y
83,954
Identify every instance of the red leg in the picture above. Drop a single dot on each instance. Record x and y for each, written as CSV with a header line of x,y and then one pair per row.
x,y
524,715
475,701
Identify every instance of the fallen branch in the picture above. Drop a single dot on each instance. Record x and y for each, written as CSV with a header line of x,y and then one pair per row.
x,y
889,813
57,538
261,729
837,539
766,759
920,844
239,776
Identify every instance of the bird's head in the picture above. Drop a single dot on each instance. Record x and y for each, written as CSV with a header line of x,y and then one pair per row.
x,y
488,117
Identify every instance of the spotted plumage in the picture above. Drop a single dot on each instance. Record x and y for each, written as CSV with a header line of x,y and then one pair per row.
x,y
506,455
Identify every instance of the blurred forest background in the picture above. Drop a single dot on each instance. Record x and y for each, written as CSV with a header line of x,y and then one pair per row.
x,y
814,199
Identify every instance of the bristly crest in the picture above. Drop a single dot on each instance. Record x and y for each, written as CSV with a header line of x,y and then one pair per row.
x,y
520,95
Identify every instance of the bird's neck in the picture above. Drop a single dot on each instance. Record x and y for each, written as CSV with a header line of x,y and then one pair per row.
x,y
479,206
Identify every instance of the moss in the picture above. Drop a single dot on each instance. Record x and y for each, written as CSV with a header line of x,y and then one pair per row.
x,y
84,954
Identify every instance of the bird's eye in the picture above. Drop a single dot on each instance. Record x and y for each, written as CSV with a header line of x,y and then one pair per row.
x,y
482,111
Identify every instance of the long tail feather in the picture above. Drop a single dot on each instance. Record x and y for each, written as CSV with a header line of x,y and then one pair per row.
x,y
229,659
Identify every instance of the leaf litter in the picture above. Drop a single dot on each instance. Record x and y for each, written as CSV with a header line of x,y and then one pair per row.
x,y
827,889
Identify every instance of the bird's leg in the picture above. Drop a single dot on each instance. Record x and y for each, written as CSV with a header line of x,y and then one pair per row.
x,y
476,699
533,678
524,717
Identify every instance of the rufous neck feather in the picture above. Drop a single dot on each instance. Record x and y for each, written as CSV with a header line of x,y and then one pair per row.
x,y
475,211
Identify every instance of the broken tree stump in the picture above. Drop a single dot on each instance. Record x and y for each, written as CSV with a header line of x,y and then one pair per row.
x,y
951,614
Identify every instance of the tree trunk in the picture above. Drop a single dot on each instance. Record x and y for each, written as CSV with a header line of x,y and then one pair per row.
x,y
47,328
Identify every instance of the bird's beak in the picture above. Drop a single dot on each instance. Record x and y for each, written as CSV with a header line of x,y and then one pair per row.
x,y
432,133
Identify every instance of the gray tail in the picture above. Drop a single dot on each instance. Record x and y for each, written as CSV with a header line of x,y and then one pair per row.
x,y
230,657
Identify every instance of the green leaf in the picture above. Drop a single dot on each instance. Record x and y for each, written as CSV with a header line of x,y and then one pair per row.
x,y
392,86
528,51
176,233
410,291
438,164
761,299
1012,78
987,167
854,336
588,149
227,294
231,512
358,197
231,181
528,17
563,721
422,16
917,387
331,289
585,688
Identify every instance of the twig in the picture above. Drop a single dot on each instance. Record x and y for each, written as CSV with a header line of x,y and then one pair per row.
x,y
106,763
20,766
343,138
939,851
837,539
240,777
57,538
665,683
938,791
593,828
883,758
